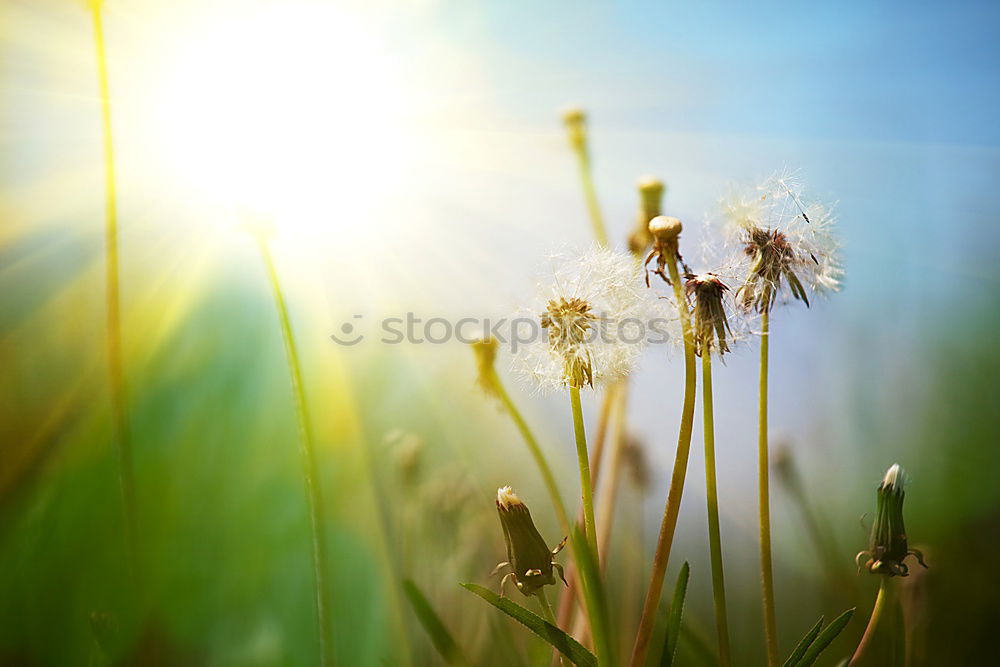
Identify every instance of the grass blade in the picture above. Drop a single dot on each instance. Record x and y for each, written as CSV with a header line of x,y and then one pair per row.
x,y
674,616
800,649
825,638
561,641
432,623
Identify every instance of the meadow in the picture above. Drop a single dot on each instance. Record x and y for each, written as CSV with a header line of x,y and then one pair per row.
x,y
293,338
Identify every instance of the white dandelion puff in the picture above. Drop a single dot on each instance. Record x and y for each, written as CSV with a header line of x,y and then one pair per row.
x,y
592,319
784,243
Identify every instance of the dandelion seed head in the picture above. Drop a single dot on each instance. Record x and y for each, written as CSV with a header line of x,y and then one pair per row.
x,y
592,312
785,242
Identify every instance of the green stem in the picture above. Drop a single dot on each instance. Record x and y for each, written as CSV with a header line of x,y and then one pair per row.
x,y
590,196
881,602
567,601
550,482
116,375
547,612
586,491
671,509
766,570
309,461
536,453
714,531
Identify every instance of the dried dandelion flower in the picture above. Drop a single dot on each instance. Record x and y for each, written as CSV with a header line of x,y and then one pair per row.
x,y
530,560
887,548
710,326
650,202
594,318
785,244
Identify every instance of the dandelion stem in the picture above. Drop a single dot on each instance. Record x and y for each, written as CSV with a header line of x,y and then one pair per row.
x,y
766,570
567,601
608,492
536,452
543,600
309,463
116,375
671,509
712,497
590,195
586,490
881,602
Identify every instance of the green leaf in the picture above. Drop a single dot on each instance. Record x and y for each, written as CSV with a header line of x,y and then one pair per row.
x,y
825,638
674,616
800,649
432,623
561,641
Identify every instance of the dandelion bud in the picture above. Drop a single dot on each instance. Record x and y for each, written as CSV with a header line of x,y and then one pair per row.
x,y
650,200
531,562
887,547
575,120
486,355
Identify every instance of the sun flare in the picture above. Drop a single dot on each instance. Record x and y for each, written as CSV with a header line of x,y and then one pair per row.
x,y
290,111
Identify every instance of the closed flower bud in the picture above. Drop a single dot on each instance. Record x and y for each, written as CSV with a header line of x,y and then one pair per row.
x,y
575,120
887,547
529,559
486,355
650,202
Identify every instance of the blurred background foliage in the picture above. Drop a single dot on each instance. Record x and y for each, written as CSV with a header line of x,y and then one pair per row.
x,y
886,107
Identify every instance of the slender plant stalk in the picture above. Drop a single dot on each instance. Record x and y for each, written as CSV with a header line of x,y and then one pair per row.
x,y
536,452
586,490
567,601
608,491
543,600
576,580
714,531
116,375
590,196
881,602
309,463
764,501
671,509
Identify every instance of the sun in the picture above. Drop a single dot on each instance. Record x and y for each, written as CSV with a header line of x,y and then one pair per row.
x,y
291,110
